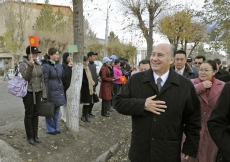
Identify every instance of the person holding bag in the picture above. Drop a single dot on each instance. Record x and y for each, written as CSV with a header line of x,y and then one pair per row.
x,y
31,71
53,73
87,90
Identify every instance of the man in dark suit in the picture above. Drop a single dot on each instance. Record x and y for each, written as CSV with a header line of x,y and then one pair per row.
x,y
220,71
218,123
183,68
163,106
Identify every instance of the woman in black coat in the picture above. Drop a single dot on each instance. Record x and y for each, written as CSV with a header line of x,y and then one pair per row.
x,y
66,58
86,90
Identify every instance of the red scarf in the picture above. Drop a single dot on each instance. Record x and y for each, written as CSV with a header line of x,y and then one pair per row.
x,y
208,89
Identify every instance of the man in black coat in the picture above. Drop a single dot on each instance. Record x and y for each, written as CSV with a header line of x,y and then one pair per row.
x,y
92,66
219,121
220,71
181,67
163,106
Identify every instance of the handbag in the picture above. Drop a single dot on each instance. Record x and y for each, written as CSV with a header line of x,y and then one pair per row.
x,y
46,109
95,98
17,86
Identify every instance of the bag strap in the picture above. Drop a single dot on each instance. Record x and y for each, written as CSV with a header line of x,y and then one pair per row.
x,y
18,72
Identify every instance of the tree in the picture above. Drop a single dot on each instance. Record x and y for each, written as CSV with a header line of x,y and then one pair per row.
x,y
54,29
73,93
140,9
180,29
16,15
217,11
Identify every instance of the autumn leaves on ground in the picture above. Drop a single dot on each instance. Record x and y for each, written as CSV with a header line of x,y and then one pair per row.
x,y
87,145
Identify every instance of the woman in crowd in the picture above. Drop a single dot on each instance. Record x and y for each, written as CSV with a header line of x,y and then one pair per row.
x,y
106,86
66,58
86,90
53,73
117,74
31,71
208,89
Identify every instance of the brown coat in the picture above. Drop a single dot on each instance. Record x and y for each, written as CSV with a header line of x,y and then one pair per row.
x,y
207,148
106,83
34,76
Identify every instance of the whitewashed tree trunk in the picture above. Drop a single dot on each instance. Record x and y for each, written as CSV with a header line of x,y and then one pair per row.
x,y
73,93
73,98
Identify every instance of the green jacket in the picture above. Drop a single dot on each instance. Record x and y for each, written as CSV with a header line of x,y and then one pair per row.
x,y
34,76
6,68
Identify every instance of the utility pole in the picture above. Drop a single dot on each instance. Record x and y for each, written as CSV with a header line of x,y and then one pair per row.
x,y
107,27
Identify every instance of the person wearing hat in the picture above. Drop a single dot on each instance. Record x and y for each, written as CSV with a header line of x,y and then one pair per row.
x,y
93,69
189,61
113,58
106,86
31,71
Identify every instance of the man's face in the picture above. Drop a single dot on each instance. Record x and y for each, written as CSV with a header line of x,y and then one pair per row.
x,y
92,58
144,67
198,62
160,62
180,61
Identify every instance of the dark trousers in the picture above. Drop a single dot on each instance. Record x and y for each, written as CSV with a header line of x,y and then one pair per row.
x,y
31,113
116,88
105,107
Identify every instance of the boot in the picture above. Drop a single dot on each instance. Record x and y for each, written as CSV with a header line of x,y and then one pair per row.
x,y
87,108
31,141
35,129
90,110
83,118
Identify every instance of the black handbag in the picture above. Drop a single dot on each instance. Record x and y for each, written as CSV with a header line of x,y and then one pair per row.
x,y
46,109
95,98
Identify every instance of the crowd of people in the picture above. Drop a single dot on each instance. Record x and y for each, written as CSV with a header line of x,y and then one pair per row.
x,y
180,109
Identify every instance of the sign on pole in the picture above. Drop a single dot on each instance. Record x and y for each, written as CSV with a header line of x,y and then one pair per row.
x,y
72,48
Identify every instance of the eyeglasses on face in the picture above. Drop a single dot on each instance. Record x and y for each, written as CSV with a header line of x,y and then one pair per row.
x,y
198,63
204,70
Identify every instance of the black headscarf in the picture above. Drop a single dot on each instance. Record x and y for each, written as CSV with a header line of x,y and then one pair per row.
x,y
64,57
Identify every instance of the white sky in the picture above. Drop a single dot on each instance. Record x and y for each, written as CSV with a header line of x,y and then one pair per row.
x,y
95,12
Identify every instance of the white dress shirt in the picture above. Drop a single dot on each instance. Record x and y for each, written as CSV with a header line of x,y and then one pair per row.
x,y
163,77
181,71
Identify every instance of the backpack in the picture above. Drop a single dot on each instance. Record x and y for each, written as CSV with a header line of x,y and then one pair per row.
x,y
17,86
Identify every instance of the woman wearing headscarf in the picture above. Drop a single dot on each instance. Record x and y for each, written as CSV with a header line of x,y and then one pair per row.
x,y
66,58
208,89
86,90
31,71
106,86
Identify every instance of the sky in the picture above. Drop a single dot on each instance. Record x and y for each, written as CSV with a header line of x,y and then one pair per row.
x,y
95,12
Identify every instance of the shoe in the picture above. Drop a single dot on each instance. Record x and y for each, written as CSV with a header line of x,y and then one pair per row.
x,y
31,141
91,114
83,119
58,132
36,139
87,118
64,120
110,110
105,115
53,133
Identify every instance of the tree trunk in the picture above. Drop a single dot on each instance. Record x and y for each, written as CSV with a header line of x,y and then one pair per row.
x,y
73,93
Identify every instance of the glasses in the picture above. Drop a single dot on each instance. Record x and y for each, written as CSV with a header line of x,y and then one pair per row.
x,y
198,63
204,70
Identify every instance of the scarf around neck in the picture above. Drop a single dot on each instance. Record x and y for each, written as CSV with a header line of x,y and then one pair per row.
x,y
90,80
